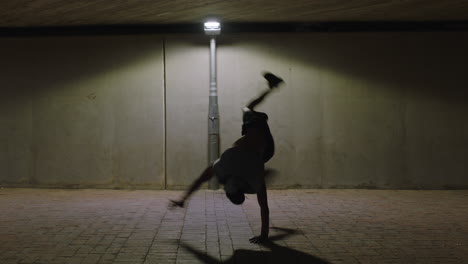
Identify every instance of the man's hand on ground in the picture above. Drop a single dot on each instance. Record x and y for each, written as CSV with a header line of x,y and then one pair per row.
x,y
174,204
259,239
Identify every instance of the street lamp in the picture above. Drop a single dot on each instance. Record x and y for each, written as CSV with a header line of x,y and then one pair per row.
x,y
213,29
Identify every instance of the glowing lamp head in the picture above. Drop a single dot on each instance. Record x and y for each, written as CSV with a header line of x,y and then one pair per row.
x,y
212,28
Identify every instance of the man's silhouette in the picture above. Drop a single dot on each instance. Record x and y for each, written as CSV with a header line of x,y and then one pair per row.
x,y
241,168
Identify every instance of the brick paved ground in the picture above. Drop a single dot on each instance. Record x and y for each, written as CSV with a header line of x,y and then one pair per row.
x,y
321,226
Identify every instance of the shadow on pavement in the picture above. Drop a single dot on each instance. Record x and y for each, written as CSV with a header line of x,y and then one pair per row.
x,y
277,254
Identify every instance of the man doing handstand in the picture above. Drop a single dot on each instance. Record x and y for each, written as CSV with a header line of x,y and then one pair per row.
x,y
241,168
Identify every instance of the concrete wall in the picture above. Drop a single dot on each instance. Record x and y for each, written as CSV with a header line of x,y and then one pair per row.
x,y
359,110
82,111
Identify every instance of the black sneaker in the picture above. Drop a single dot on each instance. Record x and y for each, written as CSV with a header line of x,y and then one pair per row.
x,y
273,80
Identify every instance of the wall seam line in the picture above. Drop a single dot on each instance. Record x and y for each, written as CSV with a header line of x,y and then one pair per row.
x,y
164,113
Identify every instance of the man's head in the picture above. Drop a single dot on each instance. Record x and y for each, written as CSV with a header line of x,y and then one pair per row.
x,y
236,197
233,192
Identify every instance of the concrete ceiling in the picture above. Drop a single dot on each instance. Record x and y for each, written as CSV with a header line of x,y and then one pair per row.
x,y
44,13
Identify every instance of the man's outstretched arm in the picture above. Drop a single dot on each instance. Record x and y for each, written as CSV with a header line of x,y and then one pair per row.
x,y
265,215
205,176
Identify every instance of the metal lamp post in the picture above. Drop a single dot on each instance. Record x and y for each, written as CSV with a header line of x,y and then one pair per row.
x,y
212,29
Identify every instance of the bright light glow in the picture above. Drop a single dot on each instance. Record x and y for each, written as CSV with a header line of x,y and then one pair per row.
x,y
212,28
212,25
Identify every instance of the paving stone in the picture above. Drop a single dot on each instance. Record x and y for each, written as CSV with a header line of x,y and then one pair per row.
x,y
307,226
